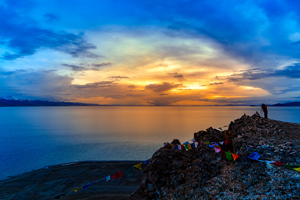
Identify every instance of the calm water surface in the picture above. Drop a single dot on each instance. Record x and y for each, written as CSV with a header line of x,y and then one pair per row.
x,y
34,137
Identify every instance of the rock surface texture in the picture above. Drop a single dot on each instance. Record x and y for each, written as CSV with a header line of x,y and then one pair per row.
x,y
201,173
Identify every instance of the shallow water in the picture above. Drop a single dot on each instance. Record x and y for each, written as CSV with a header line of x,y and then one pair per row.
x,y
34,137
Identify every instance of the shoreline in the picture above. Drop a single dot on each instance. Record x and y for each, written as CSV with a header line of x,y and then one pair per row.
x,y
64,164
50,181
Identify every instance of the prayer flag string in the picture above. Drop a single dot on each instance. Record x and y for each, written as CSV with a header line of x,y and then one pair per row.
x,y
187,146
115,176
228,155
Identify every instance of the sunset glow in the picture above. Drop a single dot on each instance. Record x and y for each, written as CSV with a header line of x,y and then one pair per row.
x,y
158,53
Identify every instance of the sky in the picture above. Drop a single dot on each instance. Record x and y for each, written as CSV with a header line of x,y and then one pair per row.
x,y
150,52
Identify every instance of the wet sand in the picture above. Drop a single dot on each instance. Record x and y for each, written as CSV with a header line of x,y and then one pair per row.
x,y
52,181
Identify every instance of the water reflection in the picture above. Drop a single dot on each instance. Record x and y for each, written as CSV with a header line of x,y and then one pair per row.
x,y
33,137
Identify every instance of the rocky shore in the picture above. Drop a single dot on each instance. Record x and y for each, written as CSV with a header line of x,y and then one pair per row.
x,y
196,173
52,181
201,173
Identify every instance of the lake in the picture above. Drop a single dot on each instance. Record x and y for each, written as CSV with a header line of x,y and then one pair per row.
x,y
35,137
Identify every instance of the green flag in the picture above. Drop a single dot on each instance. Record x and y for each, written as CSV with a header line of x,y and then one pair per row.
x,y
228,156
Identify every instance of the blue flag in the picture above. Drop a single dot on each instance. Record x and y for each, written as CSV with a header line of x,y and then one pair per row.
x,y
254,156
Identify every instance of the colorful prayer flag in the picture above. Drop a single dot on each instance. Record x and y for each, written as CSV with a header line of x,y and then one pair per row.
x,y
234,156
117,175
254,156
297,169
146,162
223,154
121,173
278,163
196,144
228,156
193,145
189,146
186,147
294,167
291,166
77,189
114,176
217,150
139,166
87,185
215,143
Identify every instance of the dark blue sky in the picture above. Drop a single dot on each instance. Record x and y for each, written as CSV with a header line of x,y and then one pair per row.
x,y
151,52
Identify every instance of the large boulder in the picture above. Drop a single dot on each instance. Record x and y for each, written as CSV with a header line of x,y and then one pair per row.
x,y
211,134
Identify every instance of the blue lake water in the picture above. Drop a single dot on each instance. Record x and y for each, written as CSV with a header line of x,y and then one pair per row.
x,y
35,137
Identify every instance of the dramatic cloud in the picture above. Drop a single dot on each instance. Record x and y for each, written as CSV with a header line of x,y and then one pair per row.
x,y
152,53
28,84
292,71
21,36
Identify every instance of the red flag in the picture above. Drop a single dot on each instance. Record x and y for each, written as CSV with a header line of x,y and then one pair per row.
x,y
182,147
278,163
226,142
120,174
117,175
114,176
223,153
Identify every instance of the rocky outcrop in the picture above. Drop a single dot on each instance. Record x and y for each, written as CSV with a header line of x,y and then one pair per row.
x,y
200,173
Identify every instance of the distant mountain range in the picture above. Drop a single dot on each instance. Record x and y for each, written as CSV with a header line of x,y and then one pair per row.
x,y
13,102
287,104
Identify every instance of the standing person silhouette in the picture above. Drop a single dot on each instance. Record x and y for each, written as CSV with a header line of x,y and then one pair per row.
x,y
265,109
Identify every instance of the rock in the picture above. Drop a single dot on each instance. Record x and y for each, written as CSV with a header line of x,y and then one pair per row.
x,y
175,142
212,135
200,173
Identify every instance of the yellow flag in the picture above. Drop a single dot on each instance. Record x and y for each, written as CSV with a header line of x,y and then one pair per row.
x,y
139,166
189,146
77,189
297,169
